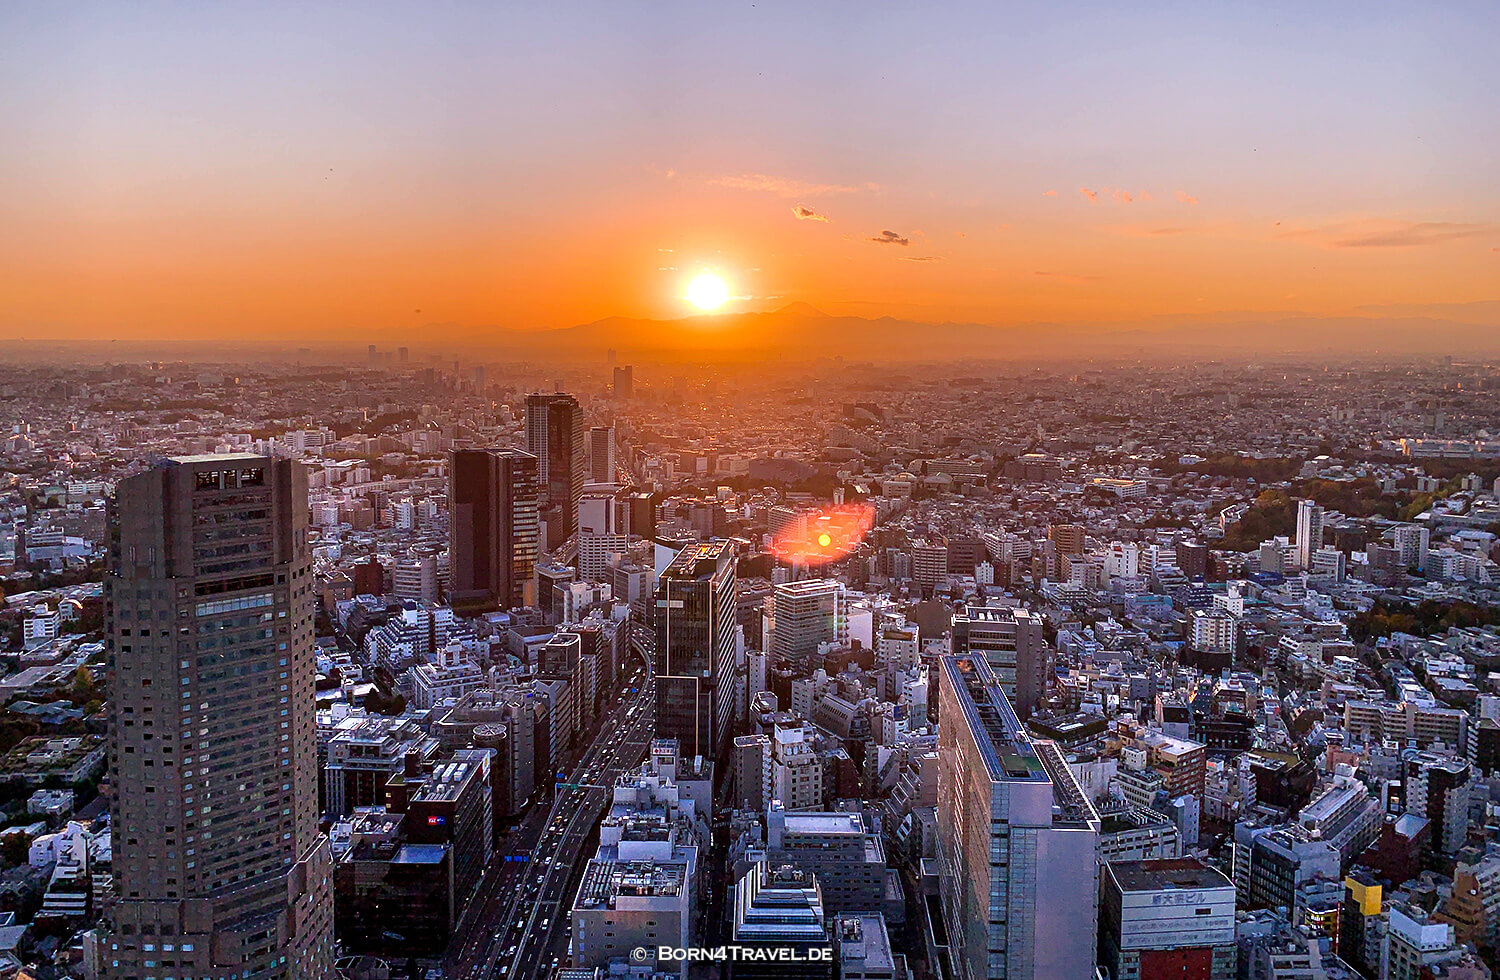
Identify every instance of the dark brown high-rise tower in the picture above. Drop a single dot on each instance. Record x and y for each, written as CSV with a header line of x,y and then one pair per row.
x,y
493,501
555,436
220,869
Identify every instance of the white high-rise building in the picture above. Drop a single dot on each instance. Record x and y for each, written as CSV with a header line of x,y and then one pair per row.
x,y
1309,532
1411,541
415,577
595,552
1214,631
1122,560
805,615
796,768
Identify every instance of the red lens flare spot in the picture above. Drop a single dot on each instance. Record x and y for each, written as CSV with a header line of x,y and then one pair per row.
x,y
819,537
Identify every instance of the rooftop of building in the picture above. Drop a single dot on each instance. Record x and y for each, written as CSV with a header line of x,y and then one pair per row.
x,y
449,778
1166,874
188,460
862,938
809,586
995,614
420,854
604,882
700,559
825,823
1007,750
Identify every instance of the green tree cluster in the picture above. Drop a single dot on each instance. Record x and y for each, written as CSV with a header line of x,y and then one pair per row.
x,y
1273,513
1428,618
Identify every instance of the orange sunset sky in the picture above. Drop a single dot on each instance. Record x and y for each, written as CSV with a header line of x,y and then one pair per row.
x,y
321,171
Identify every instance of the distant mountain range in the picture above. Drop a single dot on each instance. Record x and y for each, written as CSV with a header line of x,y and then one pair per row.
x,y
801,332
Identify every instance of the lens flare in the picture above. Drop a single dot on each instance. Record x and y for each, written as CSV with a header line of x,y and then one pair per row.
x,y
829,534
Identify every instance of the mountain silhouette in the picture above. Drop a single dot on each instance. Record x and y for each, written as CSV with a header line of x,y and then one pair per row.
x,y
799,331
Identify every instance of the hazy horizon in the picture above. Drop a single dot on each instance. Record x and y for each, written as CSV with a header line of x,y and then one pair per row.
x,y
327,174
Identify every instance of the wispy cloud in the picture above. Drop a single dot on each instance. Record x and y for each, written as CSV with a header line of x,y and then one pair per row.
x,y
890,238
1119,194
804,213
1383,233
784,186
1186,198
1066,276
1418,233
1049,193
1153,231
921,258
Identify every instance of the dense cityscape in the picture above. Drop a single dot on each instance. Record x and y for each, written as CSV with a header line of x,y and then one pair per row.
x,y
659,490
490,669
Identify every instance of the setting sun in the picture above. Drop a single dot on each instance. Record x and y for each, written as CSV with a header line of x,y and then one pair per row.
x,y
707,291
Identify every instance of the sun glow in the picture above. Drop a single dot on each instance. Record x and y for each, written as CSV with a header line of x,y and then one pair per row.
x,y
707,291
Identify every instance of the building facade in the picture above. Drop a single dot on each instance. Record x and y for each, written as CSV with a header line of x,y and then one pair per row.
x,y
493,505
219,864
555,436
695,648
1166,920
1016,840
1011,641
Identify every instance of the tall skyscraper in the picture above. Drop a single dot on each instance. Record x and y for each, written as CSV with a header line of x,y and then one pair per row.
x,y
219,865
624,381
1309,532
695,648
493,502
1016,838
554,435
1011,641
602,454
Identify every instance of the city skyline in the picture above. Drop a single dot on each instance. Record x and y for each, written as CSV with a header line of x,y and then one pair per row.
x,y
1179,670
667,491
278,174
